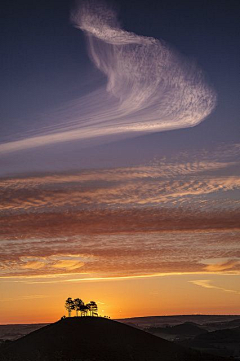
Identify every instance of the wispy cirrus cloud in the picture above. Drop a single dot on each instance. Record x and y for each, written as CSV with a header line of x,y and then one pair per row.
x,y
169,216
165,183
19,298
226,265
208,284
150,88
120,254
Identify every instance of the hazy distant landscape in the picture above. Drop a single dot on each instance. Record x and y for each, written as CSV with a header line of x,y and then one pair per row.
x,y
213,334
96,338
217,335
119,180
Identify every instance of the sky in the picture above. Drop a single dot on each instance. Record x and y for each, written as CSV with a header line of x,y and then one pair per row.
x,y
119,158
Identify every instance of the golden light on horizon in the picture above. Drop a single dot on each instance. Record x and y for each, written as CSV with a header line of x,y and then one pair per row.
x,y
116,192
123,298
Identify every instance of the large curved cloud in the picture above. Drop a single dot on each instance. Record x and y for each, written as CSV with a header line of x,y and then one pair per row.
x,y
150,87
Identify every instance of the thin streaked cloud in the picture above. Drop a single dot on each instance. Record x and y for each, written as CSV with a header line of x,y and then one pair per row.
x,y
208,284
168,216
122,254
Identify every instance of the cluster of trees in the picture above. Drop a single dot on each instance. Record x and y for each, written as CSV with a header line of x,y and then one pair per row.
x,y
90,309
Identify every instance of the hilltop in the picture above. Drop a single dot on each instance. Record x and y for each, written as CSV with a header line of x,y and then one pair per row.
x,y
225,342
184,329
95,339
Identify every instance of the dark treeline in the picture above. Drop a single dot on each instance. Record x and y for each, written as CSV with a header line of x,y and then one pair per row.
x,y
90,309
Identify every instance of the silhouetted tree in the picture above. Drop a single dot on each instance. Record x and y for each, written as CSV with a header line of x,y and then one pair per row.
x,y
69,305
84,310
93,308
78,303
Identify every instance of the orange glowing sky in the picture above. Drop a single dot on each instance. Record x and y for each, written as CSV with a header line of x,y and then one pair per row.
x,y
145,240
119,159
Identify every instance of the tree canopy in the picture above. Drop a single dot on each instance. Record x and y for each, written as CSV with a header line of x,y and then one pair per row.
x,y
89,309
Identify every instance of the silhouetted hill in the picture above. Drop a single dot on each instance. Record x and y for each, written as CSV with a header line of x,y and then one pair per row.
x,y
163,321
214,326
208,322
185,329
95,339
13,332
221,342
226,335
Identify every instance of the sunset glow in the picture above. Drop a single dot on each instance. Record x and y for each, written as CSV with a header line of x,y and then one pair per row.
x,y
125,190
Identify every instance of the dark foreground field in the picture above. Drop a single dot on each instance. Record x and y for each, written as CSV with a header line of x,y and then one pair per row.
x,y
95,339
